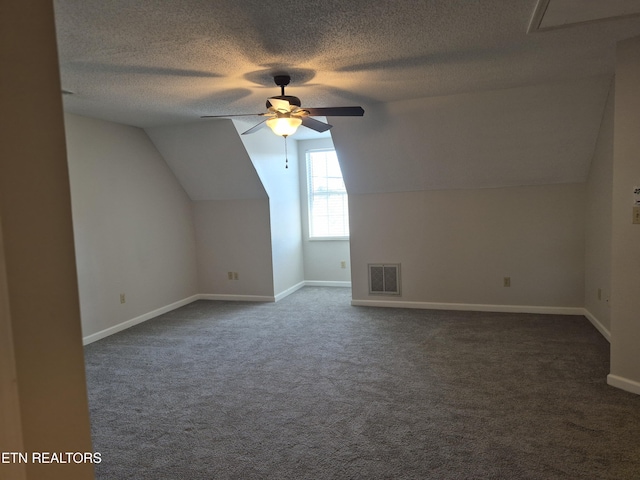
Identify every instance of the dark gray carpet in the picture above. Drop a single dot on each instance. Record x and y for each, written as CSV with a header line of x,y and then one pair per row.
x,y
313,388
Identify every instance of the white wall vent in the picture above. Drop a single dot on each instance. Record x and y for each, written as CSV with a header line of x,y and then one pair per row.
x,y
384,279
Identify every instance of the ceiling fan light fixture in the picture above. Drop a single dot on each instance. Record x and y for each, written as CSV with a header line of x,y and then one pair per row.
x,y
284,126
285,114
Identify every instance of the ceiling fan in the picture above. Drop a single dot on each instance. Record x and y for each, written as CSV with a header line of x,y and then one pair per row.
x,y
285,113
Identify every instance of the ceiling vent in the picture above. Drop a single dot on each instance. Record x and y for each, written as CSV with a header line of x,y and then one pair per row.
x,y
384,279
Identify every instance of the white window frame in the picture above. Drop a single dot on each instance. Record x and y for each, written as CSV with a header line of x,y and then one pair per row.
x,y
310,196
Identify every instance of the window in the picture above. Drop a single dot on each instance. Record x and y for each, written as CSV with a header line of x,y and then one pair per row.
x,y
328,206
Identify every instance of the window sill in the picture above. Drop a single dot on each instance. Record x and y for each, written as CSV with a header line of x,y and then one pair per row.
x,y
328,239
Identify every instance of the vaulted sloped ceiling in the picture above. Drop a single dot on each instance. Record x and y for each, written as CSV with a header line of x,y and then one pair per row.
x,y
532,135
457,93
209,160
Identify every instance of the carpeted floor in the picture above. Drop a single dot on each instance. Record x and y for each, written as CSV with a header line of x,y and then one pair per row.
x,y
313,388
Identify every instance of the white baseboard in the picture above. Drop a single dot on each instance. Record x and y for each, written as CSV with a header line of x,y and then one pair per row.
x,y
236,298
289,291
366,303
311,283
470,307
624,383
204,296
181,303
135,321
326,283
601,328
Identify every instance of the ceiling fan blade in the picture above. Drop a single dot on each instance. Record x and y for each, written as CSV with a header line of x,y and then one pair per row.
x,y
279,104
316,125
234,115
335,111
255,128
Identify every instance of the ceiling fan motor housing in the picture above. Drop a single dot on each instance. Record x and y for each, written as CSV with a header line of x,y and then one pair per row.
x,y
287,98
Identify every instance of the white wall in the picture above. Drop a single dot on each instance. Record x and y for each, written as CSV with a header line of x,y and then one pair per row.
x,y
230,205
234,236
455,246
598,223
625,262
322,258
286,242
267,152
466,189
133,224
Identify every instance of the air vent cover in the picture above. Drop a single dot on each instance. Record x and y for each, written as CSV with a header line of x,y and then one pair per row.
x,y
384,279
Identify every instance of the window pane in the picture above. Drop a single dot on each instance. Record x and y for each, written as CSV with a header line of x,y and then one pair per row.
x,y
328,204
335,184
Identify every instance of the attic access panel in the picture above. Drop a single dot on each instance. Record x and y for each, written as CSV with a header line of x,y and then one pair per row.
x,y
552,14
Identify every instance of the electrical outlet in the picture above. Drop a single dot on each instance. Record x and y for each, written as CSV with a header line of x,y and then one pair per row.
x,y
343,264
235,275
506,282
123,299
229,275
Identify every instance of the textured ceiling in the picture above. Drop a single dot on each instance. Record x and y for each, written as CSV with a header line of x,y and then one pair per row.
x,y
161,62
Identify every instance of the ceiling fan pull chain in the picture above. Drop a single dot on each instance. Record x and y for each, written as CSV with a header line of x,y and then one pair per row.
x,y
286,154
